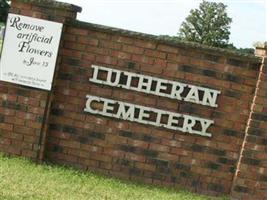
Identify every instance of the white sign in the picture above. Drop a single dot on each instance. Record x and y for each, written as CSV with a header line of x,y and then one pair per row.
x,y
154,85
30,51
146,115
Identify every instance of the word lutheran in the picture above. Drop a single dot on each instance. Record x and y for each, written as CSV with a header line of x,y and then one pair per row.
x,y
155,86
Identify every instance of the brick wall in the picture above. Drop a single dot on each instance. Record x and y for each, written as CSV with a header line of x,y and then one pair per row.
x,y
141,152
126,149
21,116
251,176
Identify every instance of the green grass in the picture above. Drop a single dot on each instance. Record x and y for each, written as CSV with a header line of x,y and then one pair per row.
x,y
22,179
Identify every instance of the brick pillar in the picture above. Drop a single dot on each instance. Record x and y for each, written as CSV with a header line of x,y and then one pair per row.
x,y
24,111
251,177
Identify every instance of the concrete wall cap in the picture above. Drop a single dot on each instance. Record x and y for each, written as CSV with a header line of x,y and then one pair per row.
x,y
171,41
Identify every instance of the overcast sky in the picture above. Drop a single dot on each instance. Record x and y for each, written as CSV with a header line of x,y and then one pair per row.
x,y
164,17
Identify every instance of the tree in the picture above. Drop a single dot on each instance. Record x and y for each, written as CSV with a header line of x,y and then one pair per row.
x,y
208,25
240,50
246,50
4,6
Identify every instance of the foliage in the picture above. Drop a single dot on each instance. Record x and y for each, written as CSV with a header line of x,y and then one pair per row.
x,y
241,50
230,46
246,50
261,44
209,24
21,179
4,7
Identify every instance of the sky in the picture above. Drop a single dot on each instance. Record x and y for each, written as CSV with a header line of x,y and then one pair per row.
x,y
164,17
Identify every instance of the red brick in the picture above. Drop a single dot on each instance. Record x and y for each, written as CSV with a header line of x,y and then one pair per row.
x,y
135,157
138,143
160,62
145,166
160,148
151,68
143,59
154,53
180,152
8,112
70,144
14,120
20,5
121,55
99,35
14,150
87,40
8,127
24,130
5,141
71,53
101,91
32,124
106,60
100,157
77,31
174,57
24,115
168,156
110,45
145,44
36,110
114,153
30,139
133,49
75,46
122,39
166,48
69,37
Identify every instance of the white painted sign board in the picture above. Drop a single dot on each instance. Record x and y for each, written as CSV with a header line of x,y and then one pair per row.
x,y
30,51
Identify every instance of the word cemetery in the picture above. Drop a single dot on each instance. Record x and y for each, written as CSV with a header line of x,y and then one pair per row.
x,y
146,115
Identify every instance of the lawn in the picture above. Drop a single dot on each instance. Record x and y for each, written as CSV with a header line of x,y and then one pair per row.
x,y
22,179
